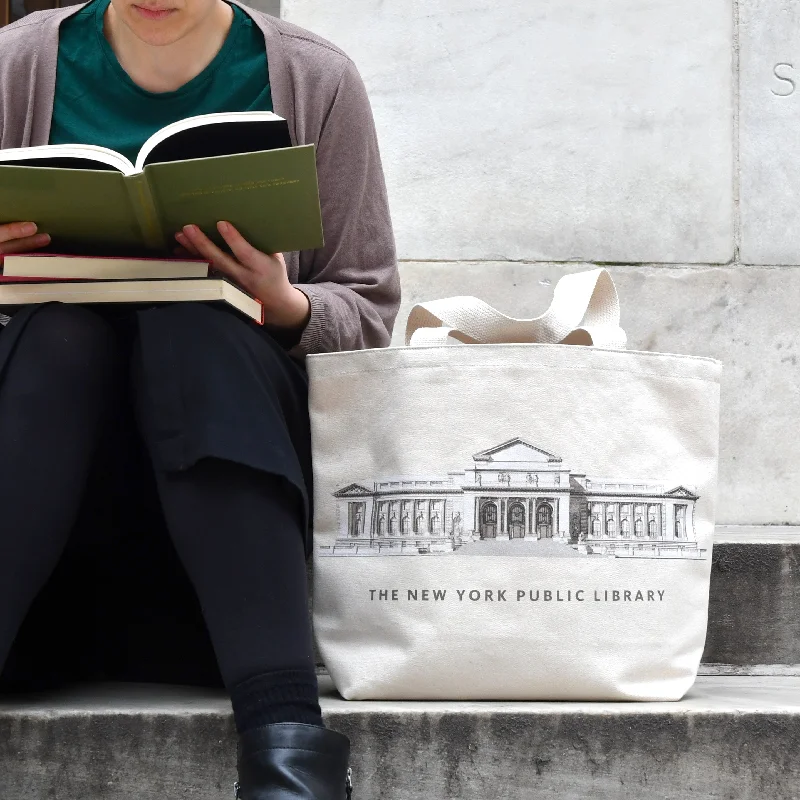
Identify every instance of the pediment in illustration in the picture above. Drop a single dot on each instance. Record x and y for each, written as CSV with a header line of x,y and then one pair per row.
x,y
517,451
354,490
682,492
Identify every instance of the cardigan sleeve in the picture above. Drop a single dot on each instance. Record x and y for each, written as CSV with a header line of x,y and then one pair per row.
x,y
352,282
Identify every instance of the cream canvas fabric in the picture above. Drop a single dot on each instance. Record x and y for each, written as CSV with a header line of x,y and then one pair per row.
x,y
513,521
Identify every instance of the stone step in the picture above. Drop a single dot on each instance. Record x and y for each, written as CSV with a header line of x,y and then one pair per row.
x,y
731,737
754,621
754,605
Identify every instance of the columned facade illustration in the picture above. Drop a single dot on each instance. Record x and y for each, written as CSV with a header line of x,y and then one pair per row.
x,y
516,491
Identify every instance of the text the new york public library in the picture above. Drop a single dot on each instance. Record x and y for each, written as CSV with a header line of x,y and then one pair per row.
x,y
520,595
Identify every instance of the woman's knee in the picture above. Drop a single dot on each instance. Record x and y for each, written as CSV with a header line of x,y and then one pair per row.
x,y
64,344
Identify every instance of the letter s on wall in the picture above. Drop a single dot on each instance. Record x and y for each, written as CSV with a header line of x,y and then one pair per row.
x,y
784,80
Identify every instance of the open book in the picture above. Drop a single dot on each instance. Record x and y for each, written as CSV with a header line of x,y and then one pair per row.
x,y
238,166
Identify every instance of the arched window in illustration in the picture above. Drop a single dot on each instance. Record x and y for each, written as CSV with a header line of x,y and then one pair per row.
x,y
382,525
405,523
653,521
456,527
489,521
638,527
436,523
625,527
596,532
516,521
611,526
544,521
355,524
419,516
680,522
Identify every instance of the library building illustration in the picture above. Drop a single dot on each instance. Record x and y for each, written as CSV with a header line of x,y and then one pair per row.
x,y
515,499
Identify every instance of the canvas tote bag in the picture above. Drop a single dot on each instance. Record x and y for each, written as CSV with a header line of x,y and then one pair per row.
x,y
509,517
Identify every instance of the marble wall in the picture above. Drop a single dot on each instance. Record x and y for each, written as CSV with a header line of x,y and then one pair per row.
x,y
769,131
531,138
548,130
270,6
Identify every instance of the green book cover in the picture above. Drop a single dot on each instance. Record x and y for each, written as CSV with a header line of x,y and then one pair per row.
x,y
93,200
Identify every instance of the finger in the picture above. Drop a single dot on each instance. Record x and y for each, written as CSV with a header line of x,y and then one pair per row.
x,y
245,253
186,244
16,230
219,260
25,244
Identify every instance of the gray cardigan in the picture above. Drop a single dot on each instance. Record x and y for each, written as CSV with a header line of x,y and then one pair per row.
x,y
352,282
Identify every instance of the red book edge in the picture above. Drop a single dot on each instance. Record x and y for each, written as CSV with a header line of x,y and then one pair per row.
x,y
20,279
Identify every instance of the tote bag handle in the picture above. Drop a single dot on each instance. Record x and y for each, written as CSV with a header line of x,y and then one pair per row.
x,y
584,311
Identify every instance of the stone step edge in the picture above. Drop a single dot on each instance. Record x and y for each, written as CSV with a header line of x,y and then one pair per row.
x,y
719,695
757,534
707,669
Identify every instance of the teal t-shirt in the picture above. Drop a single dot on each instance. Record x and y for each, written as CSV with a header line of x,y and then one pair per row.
x,y
97,103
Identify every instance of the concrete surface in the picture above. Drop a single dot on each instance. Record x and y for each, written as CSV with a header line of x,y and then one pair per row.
x,y
548,131
729,738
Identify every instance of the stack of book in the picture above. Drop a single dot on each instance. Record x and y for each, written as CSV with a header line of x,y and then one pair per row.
x,y
112,222
39,278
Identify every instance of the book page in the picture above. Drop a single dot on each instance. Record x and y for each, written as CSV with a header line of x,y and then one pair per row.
x,y
67,156
208,135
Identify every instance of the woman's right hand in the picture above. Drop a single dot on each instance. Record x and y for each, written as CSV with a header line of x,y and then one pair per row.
x,y
20,237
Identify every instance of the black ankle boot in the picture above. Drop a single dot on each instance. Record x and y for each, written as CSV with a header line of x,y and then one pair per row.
x,y
293,761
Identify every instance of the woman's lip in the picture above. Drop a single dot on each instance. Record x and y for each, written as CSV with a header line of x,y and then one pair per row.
x,y
154,13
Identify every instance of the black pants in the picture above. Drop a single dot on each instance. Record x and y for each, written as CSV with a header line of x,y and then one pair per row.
x,y
142,453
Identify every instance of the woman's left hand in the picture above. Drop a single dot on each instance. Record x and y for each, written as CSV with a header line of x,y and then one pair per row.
x,y
261,275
